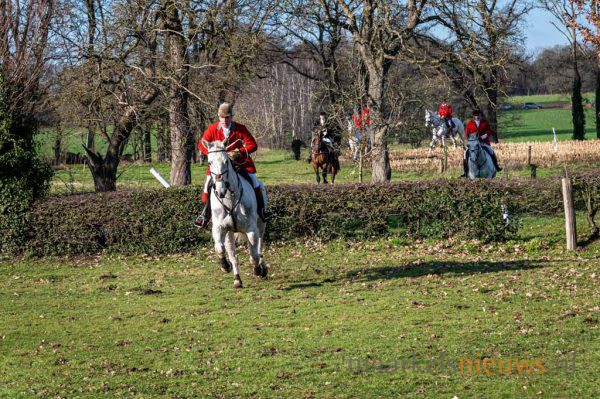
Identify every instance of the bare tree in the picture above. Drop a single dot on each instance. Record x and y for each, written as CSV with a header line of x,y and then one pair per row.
x,y
316,37
479,38
380,30
24,28
124,71
591,34
181,135
565,13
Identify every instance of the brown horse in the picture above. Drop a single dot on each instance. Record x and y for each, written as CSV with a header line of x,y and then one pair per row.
x,y
324,158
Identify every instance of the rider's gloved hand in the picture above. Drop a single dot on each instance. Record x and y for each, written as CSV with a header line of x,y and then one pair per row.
x,y
484,136
234,153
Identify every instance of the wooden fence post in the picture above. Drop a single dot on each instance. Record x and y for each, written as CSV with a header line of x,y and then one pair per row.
x,y
570,225
532,167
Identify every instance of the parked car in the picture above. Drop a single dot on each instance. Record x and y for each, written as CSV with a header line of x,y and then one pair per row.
x,y
531,106
505,107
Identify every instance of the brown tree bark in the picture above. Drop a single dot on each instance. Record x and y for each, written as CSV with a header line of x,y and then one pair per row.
x,y
181,135
147,129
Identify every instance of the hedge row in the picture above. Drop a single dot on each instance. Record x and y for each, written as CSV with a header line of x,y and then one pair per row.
x,y
160,221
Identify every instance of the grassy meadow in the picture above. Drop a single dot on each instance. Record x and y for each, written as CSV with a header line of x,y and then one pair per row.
x,y
378,318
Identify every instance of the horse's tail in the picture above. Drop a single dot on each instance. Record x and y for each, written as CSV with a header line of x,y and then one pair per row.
x,y
335,163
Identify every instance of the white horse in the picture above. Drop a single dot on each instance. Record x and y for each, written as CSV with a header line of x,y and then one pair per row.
x,y
440,130
479,161
234,213
355,143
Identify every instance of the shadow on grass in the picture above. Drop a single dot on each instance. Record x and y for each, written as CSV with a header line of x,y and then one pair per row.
x,y
441,267
592,238
273,161
422,269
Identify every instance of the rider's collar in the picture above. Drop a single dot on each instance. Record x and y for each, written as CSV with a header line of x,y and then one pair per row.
x,y
230,127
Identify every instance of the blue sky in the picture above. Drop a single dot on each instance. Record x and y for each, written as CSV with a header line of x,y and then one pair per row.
x,y
540,33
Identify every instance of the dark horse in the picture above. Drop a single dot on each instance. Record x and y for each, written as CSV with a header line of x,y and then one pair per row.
x,y
324,158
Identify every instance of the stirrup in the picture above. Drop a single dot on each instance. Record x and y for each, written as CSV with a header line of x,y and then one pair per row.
x,y
201,222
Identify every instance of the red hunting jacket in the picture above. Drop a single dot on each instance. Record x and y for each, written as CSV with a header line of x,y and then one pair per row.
x,y
484,127
239,138
357,118
365,116
445,110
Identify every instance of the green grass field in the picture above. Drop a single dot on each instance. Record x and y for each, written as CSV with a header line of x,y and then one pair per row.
x,y
536,125
545,99
381,318
173,326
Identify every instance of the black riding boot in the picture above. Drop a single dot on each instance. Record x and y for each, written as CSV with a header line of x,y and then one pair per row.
x,y
260,205
465,168
202,220
494,159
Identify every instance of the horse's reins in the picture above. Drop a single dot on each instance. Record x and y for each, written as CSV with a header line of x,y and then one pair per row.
x,y
484,158
229,211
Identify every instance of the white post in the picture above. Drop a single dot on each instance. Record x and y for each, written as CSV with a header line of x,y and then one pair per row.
x,y
555,141
160,178
505,216
570,227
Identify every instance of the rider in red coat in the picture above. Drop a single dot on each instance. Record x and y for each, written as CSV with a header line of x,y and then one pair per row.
x,y
445,111
481,127
240,144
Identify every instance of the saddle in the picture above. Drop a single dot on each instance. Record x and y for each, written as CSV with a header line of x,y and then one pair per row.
x,y
243,173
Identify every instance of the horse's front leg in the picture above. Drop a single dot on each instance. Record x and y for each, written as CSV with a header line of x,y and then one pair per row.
x,y
230,248
432,144
325,173
453,141
316,169
260,267
219,238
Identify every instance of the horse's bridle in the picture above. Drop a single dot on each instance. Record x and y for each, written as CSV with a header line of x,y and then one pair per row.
x,y
219,177
476,159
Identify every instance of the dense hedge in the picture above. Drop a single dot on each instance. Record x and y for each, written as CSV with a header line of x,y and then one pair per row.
x,y
23,175
160,221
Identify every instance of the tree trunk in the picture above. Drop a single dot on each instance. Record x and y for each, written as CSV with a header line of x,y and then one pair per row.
x,y
58,144
577,107
181,134
379,127
148,142
90,141
104,171
576,99
597,99
162,141
181,139
492,108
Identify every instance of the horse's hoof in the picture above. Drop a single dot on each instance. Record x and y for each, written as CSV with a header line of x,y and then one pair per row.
x,y
237,283
257,270
264,272
225,265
